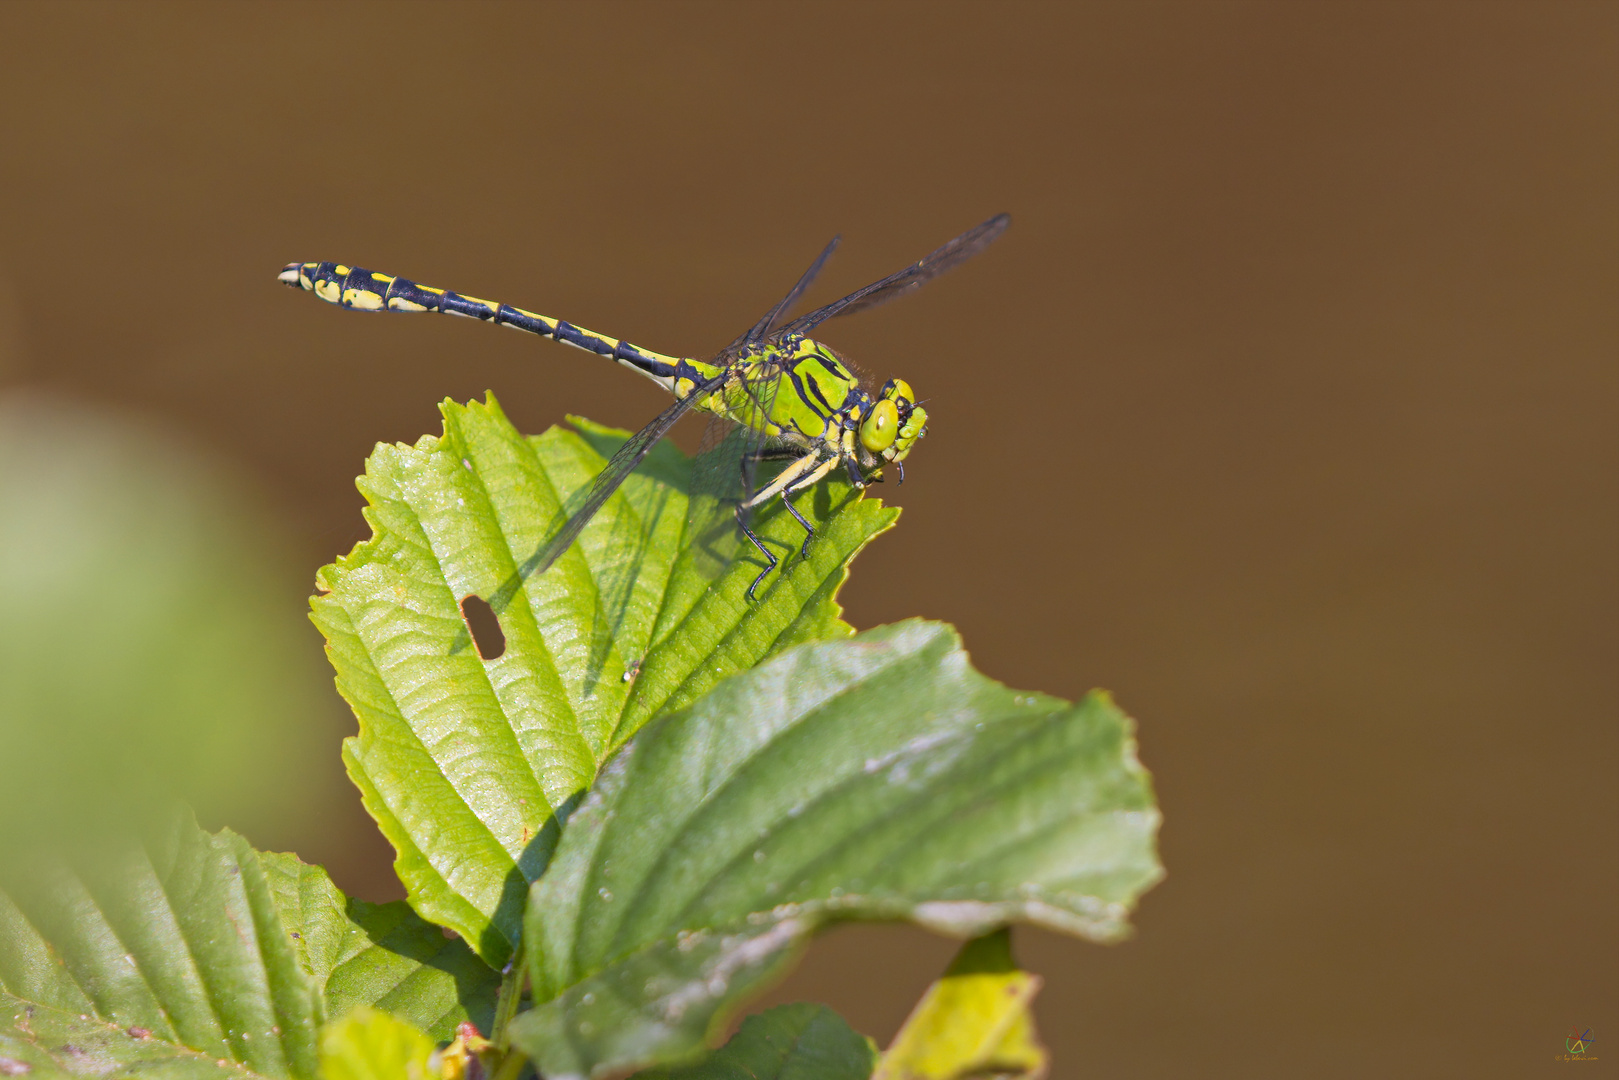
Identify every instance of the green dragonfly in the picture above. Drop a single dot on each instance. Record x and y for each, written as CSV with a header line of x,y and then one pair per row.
x,y
783,395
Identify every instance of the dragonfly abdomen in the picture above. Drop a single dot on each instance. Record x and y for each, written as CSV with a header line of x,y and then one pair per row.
x,y
366,290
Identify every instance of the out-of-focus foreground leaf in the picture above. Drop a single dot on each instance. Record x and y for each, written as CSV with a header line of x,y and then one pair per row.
x,y
152,639
385,955
975,1021
175,947
196,951
463,760
879,777
803,1041
368,1044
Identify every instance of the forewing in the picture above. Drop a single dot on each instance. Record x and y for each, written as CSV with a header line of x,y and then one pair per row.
x,y
631,454
772,318
913,277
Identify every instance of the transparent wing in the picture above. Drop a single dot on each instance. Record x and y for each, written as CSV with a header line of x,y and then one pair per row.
x,y
619,467
913,277
772,318
725,471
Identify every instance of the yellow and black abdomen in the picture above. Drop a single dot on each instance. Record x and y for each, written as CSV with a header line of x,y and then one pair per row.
x,y
366,290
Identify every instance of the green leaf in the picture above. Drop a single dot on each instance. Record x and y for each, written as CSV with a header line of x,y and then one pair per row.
x,y
172,950
803,1041
463,761
40,1042
873,778
383,955
975,1021
368,1044
193,948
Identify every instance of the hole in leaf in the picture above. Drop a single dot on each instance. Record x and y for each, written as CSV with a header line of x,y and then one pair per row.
x,y
484,626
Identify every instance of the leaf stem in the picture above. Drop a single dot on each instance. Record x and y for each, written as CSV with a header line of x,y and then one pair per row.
x,y
512,981
511,1066
508,1063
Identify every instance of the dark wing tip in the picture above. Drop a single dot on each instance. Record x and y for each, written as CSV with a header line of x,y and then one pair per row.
x,y
979,237
913,277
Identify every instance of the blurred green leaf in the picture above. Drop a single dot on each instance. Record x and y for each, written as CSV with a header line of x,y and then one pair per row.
x,y
976,1021
876,778
151,634
462,760
174,950
385,955
194,948
803,1041
42,1043
368,1044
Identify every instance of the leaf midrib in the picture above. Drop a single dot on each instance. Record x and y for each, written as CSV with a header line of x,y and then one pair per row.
x,y
895,663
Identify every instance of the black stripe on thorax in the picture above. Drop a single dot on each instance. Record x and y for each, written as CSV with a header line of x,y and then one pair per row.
x,y
835,369
798,385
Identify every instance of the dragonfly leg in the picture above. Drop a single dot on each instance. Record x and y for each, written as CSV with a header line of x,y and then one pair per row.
x,y
770,560
803,552
780,453
794,478
787,478
810,479
768,454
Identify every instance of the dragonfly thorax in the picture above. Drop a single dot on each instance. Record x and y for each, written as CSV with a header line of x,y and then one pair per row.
x,y
818,401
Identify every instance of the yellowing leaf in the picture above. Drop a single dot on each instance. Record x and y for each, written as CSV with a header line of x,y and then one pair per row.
x,y
975,1021
368,1044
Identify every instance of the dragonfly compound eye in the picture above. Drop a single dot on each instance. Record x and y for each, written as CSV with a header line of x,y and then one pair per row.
x,y
912,427
881,424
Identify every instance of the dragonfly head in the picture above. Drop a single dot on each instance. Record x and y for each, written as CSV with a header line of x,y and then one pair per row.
x,y
894,422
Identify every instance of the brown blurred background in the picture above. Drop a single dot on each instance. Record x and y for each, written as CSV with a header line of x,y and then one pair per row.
x,y
1286,411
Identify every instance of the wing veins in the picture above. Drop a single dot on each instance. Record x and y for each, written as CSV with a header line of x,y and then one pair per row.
x,y
911,278
617,470
763,328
